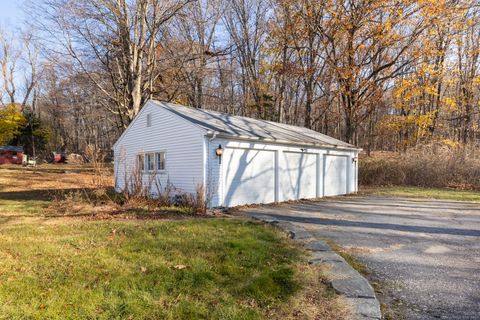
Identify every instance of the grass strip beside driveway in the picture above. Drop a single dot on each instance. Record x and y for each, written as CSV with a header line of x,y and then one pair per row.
x,y
428,193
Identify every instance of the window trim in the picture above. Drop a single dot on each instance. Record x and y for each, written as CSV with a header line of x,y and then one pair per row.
x,y
145,167
141,164
164,161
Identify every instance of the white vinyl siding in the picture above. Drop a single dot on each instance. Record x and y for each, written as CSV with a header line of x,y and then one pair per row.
x,y
179,141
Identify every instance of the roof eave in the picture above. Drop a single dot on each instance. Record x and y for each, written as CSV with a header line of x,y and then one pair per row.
x,y
216,134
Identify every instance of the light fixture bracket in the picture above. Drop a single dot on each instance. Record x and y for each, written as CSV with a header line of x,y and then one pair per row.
x,y
219,153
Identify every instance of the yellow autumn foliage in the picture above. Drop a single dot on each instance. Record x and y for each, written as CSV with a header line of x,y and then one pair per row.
x,y
450,104
11,120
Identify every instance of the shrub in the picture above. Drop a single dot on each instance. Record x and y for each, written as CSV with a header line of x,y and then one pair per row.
x,y
436,165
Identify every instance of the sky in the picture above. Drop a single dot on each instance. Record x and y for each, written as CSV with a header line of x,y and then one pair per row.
x,y
11,19
11,14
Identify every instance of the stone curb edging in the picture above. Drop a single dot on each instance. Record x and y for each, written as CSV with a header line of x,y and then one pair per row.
x,y
342,277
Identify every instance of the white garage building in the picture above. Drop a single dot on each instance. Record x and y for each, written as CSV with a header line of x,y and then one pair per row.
x,y
238,160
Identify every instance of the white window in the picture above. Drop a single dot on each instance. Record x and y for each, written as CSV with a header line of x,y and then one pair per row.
x,y
160,161
141,162
149,119
150,161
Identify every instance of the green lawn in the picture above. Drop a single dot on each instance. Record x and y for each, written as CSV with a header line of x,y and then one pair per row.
x,y
216,269
74,260
208,268
417,192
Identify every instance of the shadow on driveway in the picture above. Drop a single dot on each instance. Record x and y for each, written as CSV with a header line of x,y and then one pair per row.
x,y
383,226
425,253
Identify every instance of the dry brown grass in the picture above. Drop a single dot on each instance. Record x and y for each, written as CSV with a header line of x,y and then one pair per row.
x,y
316,300
436,165
80,191
83,191
47,178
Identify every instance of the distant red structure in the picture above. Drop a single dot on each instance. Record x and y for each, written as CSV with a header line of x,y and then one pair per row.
x,y
59,157
11,155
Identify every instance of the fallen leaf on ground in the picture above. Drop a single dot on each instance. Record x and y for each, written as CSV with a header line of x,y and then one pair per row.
x,y
180,266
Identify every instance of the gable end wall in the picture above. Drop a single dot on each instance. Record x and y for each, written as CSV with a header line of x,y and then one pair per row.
x,y
183,143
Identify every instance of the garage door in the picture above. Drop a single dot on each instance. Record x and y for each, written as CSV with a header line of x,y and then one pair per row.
x,y
249,176
335,175
298,176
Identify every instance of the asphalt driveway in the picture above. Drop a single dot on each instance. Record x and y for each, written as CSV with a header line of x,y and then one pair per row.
x,y
425,253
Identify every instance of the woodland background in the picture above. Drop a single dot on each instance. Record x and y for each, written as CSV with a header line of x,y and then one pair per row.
x,y
392,75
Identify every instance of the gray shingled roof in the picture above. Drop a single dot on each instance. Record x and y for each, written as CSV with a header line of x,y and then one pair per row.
x,y
249,128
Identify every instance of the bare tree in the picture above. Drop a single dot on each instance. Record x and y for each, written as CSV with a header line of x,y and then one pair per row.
x,y
245,21
468,54
9,60
19,59
196,31
113,42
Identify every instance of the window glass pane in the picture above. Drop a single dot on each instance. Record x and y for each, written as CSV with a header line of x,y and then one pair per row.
x,y
141,162
160,159
150,162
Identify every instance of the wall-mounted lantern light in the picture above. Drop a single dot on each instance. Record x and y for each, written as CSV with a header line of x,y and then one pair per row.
x,y
219,153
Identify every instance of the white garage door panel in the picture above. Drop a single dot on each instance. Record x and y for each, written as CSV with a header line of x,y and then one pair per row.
x,y
335,175
249,176
298,176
